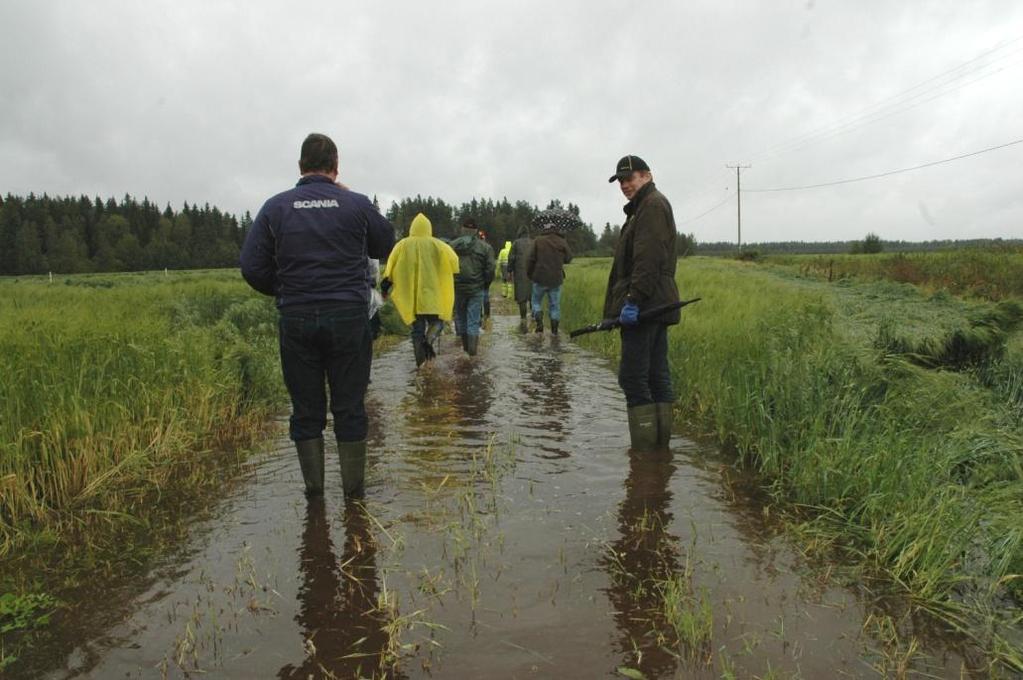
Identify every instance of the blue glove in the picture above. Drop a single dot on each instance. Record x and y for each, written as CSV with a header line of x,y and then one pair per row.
x,y
629,315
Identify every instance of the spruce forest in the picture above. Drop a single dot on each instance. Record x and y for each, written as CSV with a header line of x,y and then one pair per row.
x,y
66,235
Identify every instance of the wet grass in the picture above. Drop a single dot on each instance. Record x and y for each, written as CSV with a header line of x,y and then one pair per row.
x,y
117,391
880,451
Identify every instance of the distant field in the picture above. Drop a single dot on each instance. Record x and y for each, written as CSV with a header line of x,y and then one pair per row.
x,y
992,274
888,416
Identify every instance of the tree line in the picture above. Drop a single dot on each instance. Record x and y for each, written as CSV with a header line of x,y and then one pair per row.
x,y
72,235
68,235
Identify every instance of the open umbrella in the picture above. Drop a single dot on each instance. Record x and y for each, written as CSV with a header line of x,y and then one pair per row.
x,y
555,220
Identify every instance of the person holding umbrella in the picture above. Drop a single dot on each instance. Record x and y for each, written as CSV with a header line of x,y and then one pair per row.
x,y
643,277
546,263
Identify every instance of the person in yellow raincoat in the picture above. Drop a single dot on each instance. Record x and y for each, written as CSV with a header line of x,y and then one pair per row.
x,y
502,262
419,277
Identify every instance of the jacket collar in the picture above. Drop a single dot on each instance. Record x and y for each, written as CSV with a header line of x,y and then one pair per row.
x,y
309,179
631,206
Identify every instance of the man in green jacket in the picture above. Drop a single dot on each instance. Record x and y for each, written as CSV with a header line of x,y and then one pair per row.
x,y
476,265
643,276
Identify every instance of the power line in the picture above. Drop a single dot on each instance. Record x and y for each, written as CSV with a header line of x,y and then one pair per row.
x,y
890,172
899,102
706,212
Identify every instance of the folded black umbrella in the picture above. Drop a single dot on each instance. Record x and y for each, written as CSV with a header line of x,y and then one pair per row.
x,y
645,315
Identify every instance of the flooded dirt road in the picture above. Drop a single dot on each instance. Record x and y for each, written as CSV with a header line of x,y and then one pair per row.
x,y
506,534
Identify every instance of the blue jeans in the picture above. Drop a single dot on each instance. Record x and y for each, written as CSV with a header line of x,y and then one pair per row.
x,y
644,374
468,312
553,301
332,344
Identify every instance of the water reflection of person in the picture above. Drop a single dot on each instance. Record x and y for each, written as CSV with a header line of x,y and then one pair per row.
x,y
342,627
645,555
546,389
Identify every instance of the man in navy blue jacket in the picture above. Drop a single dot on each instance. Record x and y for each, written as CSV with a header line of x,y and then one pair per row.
x,y
308,247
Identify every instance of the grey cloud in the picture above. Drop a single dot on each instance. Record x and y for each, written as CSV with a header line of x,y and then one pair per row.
x,y
195,101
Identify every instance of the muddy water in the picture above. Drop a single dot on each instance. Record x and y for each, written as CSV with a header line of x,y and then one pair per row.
x,y
506,534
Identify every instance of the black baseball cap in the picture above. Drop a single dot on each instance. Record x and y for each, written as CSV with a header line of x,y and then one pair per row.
x,y
628,165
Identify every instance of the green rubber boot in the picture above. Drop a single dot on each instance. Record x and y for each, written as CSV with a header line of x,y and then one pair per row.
x,y
472,344
643,427
310,459
353,468
665,418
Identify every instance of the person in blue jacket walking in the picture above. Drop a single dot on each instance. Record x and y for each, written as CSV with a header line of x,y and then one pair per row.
x,y
309,248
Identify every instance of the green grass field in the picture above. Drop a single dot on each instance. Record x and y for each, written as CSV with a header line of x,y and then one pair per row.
x,y
885,420
112,383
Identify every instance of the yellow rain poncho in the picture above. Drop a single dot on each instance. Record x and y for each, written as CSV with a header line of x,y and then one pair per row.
x,y
422,270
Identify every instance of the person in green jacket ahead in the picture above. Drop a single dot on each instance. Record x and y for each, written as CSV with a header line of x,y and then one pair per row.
x,y
642,277
475,274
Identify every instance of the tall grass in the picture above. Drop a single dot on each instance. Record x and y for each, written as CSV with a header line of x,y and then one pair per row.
x,y
111,383
914,472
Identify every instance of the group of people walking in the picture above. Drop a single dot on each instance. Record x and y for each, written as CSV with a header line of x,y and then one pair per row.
x,y
311,246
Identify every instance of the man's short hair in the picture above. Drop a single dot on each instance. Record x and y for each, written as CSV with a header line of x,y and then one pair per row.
x,y
319,154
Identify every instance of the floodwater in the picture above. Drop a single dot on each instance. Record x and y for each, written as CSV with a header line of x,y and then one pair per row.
x,y
507,533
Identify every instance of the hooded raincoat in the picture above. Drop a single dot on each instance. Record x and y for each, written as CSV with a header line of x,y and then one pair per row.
x,y
518,259
421,269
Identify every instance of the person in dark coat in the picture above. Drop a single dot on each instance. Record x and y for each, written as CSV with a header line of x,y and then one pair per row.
x,y
309,247
518,259
642,277
546,269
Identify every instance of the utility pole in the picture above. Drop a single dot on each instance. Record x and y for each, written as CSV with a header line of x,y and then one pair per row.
x,y
738,199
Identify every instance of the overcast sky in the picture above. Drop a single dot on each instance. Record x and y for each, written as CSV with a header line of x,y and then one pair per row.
x,y
209,102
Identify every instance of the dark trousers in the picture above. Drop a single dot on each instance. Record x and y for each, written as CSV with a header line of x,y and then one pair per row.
x,y
422,323
644,374
332,344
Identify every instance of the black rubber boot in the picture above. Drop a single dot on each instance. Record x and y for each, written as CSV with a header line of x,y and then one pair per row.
x,y
554,327
310,459
465,343
522,311
353,468
643,427
419,349
539,323
665,417
472,344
